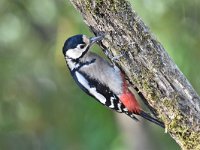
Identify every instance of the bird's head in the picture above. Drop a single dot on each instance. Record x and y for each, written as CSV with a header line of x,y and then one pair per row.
x,y
77,46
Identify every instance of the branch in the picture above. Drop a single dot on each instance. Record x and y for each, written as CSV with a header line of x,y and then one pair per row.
x,y
147,66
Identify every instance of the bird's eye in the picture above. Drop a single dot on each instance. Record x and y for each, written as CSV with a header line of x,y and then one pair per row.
x,y
82,46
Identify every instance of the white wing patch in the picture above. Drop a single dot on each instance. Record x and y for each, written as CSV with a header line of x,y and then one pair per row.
x,y
82,80
125,109
100,97
119,107
112,103
92,91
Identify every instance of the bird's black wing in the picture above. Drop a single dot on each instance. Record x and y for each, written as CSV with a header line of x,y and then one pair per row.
x,y
99,91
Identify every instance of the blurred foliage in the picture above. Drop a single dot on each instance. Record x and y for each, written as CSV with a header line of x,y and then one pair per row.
x,y
41,107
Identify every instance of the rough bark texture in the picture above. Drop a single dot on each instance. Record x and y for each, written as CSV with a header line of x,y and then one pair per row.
x,y
147,66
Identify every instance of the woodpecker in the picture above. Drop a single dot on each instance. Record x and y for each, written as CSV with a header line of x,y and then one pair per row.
x,y
100,78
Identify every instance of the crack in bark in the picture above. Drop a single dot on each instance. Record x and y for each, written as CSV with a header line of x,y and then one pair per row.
x,y
147,66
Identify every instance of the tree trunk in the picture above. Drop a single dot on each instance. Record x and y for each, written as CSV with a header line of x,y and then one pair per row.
x,y
147,66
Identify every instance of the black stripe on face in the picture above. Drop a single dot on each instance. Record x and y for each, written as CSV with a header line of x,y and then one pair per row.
x,y
87,49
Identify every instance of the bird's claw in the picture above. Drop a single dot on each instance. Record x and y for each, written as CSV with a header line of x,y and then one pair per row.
x,y
114,58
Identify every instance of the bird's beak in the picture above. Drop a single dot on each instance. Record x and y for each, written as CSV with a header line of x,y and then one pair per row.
x,y
96,39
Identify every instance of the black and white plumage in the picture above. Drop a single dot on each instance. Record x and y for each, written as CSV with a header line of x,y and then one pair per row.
x,y
100,79
89,75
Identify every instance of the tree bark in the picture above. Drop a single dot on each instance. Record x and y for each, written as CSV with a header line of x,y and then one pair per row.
x,y
147,66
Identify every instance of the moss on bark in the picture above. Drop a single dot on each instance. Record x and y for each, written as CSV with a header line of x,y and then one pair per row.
x,y
147,66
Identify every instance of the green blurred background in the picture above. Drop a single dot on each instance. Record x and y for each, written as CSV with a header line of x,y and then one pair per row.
x,y
41,108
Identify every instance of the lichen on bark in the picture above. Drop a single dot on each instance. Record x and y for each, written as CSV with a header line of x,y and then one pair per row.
x,y
147,66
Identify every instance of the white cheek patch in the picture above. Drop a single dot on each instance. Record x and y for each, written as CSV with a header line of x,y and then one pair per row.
x,y
74,53
92,91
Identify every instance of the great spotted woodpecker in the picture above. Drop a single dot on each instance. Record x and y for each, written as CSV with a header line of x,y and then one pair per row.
x,y
100,79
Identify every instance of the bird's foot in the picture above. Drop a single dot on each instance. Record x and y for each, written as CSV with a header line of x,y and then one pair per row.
x,y
114,58
117,58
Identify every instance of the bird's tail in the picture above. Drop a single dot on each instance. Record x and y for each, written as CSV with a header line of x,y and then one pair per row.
x,y
151,119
